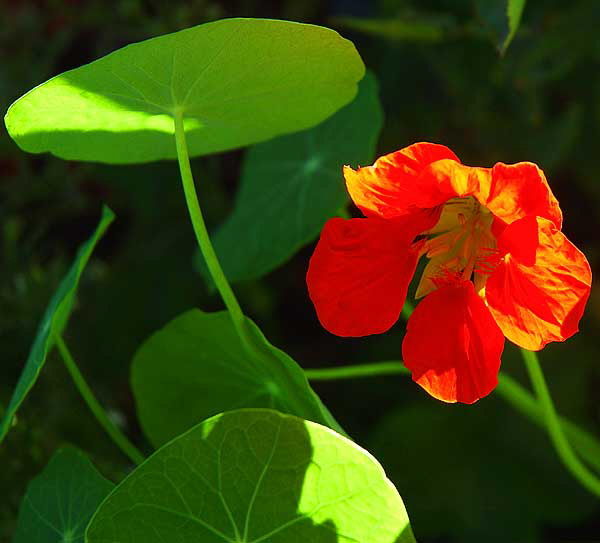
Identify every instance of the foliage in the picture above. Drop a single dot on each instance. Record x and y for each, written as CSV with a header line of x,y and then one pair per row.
x,y
61,500
464,474
255,475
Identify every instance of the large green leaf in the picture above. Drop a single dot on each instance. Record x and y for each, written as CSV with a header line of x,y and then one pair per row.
x,y
255,476
53,322
291,185
235,81
196,367
483,474
61,500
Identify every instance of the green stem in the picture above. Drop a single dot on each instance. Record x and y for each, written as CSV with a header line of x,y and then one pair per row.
x,y
353,372
520,398
117,436
407,310
508,388
555,430
208,252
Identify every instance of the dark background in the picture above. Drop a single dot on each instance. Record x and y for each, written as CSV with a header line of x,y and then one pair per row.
x,y
466,473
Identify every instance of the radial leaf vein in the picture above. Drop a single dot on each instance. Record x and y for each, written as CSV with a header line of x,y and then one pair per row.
x,y
259,482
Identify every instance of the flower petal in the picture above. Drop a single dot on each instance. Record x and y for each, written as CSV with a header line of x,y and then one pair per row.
x,y
360,271
520,190
452,345
509,191
538,292
388,188
447,179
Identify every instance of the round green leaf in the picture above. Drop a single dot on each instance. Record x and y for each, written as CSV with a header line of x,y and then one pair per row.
x,y
483,474
234,81
196,367
255,476
61,500
291,185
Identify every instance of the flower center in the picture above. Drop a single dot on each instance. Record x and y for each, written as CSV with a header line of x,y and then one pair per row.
x,y
460,246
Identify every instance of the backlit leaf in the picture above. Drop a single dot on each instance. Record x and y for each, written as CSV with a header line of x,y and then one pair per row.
x,y
503,18
255,476
53,322
235,81
61,500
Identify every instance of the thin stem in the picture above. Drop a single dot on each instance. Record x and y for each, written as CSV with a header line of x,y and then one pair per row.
x,y
212,262
562,446
355,372
116,435
407,309
520,398
508,388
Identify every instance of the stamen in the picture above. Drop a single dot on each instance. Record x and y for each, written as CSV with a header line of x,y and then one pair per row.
x,y
488,260
446,278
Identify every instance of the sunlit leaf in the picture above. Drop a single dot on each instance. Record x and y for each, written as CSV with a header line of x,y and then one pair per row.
x,y
514,10
196,367
53,322
235,81
255,476
291,185
503,17
61,500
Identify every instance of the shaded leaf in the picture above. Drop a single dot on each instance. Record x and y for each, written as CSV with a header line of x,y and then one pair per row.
x,y
255,476
61,500
291,185
53,322
235,81
472,475
428,29
196,367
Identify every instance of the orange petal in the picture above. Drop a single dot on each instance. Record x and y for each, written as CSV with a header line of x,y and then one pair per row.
x,y
453,346
520,190
538,292
510,192
446,179
360,271
387,189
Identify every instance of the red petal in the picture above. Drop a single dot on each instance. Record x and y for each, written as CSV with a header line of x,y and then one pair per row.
x,y
453,346
387,189
538,292
520,190
360,271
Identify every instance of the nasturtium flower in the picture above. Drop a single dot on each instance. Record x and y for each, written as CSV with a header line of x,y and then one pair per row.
x,y
498,265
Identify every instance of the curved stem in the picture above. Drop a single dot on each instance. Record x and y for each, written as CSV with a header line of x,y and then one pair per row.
x,y
208,252
522,400
508,388
116,435
562,446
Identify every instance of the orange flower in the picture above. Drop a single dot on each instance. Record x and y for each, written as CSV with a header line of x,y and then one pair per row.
x,y
498,265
